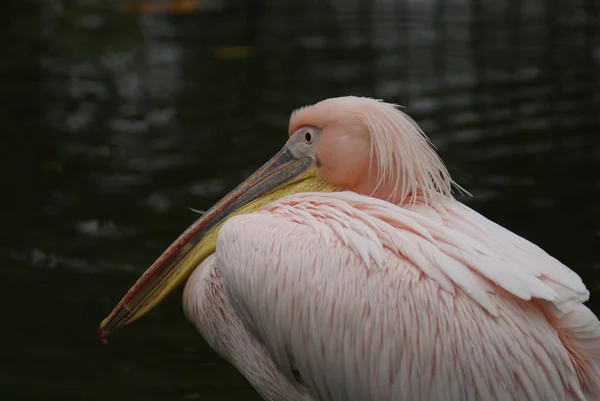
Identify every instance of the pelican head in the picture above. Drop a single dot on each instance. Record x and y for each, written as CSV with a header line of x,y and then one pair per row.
x,y
347,143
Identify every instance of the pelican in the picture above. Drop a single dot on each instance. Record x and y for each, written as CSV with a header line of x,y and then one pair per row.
x,y
345,270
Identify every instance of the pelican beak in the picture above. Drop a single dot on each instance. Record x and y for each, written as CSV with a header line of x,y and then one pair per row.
x,y
282,175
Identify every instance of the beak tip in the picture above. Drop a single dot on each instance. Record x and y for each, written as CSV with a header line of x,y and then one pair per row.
x,y
102,334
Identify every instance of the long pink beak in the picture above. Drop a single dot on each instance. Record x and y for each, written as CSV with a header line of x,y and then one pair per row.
x,y
146,292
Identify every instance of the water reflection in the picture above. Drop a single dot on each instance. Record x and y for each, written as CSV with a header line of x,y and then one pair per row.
x,y
119,116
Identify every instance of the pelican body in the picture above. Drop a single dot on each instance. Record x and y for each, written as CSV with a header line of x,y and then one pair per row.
x,y
345,270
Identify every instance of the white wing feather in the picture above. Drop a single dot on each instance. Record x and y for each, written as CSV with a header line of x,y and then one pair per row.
x,y
371,301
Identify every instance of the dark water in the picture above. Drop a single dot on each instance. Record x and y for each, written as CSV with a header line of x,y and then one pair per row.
x,y
118,116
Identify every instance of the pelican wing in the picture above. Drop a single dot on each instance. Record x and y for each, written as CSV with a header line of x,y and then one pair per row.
x,y
359,299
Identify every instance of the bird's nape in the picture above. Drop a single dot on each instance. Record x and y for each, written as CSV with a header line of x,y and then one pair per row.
x,y
403,162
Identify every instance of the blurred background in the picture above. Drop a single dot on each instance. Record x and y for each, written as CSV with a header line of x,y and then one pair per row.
x,y
116,116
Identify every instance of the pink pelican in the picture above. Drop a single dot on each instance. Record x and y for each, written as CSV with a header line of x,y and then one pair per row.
x,y
344,269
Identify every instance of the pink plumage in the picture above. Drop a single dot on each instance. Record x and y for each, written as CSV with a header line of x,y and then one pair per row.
x,y
390,289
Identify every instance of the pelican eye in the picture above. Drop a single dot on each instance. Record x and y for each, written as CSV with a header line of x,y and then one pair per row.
x,y
308,137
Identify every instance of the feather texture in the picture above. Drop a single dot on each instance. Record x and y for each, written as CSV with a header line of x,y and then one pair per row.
x,y
372,301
